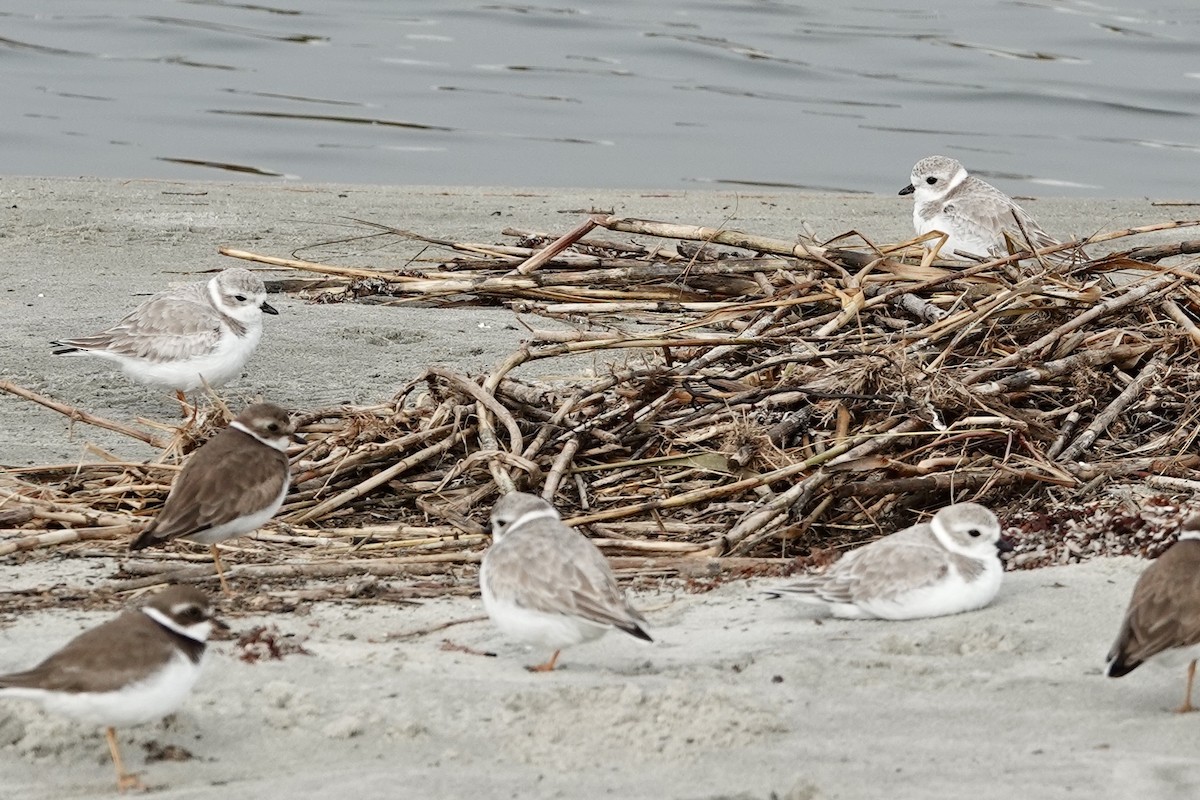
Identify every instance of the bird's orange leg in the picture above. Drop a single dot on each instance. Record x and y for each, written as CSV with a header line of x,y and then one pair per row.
x,y
125,780
216,554
1187,701
548,666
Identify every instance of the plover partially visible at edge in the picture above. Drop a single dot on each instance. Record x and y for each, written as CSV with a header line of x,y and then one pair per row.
x,y
972,213
945,566
544,583
183,337
232,485
1163,618
133,669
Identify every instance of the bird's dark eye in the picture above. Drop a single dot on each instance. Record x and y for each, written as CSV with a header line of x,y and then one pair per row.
x,y
193,614
273,427
241,298
931,180
974,533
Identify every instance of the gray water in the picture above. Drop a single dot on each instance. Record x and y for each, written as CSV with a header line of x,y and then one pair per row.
x,y
1069,97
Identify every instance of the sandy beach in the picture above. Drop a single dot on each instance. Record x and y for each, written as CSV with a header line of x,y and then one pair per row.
x,y
740,696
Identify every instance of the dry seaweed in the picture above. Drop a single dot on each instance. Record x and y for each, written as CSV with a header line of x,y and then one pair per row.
x,y
762,401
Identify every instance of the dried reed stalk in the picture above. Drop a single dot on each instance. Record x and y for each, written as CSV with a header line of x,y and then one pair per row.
x,y
791,397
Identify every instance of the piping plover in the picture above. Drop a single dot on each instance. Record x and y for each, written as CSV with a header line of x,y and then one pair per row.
x,y
972,213
183,337
233,484
546,584
132,669
1163,618
945,566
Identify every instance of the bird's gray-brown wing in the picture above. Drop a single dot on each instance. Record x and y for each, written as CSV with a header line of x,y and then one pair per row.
x,y
548,567
985,211
170,326
979,212
888,568
1020,225
1164,611
104,658
214,489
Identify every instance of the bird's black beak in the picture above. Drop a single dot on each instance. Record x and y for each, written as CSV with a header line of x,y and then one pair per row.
x,y
267,308
219,624
1004,545
908,189
298,438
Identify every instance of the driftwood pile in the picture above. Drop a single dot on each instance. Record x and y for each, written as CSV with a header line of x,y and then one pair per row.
x,y
761,401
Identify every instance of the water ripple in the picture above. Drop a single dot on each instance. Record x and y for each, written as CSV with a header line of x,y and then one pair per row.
x,y
390,123
516,95
285,12
789,98
251,33
1067,96
1000,52
240,168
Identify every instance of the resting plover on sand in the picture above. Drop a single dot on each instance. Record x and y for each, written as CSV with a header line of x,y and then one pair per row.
x,y
232,485
973,214
185,337
544,583
1163,618
131,670
945,566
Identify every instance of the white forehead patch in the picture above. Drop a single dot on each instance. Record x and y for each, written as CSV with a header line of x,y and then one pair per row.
x,y
178,609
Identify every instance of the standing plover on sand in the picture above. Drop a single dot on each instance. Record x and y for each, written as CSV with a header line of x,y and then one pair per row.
x,y
232,485
972,213
1163,618
544,583
945,566
133,669
185,337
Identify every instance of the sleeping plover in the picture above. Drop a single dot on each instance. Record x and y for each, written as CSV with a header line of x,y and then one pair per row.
x,y
945,566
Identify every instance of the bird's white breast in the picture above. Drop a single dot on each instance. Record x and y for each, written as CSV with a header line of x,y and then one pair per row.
x,y
527,625
961,236
149,699
247,523
218,366
952,594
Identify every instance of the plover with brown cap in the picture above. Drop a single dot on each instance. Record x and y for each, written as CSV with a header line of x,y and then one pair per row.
x,y
1163,618
945,566
187,336
133,669
546,584
232,485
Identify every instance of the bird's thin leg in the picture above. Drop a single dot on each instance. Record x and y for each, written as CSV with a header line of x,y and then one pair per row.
x,y
1187,701
125,780
216,554
548,666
